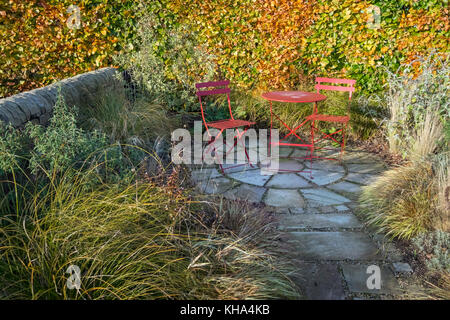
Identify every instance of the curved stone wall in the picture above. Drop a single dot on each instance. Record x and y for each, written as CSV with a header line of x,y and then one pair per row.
x,y
37,105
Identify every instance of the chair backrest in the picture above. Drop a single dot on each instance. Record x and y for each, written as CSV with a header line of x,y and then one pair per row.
x,y
337,85
217,87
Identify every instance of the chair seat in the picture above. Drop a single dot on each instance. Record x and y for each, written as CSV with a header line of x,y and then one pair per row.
x,y
227,124
329,118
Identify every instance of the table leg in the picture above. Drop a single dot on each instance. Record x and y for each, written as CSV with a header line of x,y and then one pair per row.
x,y
270,131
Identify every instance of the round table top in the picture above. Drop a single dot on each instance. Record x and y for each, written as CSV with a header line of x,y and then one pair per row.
x,y
293,96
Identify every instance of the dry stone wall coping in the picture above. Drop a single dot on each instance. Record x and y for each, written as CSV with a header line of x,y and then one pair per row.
x,y
37,105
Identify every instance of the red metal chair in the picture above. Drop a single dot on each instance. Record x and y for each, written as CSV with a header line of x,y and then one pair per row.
x,y
221,87
337,86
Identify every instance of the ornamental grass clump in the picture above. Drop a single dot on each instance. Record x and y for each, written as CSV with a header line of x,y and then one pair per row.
x,y
138,122
402,202
419,107
141,241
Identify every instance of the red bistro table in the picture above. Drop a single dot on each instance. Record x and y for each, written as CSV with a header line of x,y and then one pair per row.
x,y
293,97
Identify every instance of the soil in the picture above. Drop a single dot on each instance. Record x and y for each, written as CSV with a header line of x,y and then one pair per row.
x,y
379,146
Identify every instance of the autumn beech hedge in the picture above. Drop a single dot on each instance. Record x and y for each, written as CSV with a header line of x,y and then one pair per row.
x,y
37,47
273,44
258,44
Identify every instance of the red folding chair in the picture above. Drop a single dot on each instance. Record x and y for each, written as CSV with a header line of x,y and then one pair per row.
x,y
221,87
343,120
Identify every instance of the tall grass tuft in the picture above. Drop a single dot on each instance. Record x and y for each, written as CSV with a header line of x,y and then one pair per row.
x,y
418,106
427,136
136,122
402,202
443,180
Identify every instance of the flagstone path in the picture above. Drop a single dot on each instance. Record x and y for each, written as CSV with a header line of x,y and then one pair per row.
x,y
331,248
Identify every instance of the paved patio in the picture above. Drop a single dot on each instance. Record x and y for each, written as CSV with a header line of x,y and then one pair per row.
x,y
331,247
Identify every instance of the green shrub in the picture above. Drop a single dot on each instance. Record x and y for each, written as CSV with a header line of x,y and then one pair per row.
x,y
11,147
167,63
435,246
30,158
62,143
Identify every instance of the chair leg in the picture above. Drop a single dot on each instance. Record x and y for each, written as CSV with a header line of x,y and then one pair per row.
x,y
212,144
238,138
243,145
343,141
246,154
311,150
217,159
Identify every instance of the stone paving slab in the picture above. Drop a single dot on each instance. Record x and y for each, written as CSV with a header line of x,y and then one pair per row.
x,y
366,167
252,177
323,197
205,174
297,210
362,178
340,245
231,168
349,156
301,153
215,186
358,157
402,268
345,186
284,151
321,177
325,165
290,164
288,181
319,281
356,277
341,208
327,209
246,192
283,198
331,220
281,210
